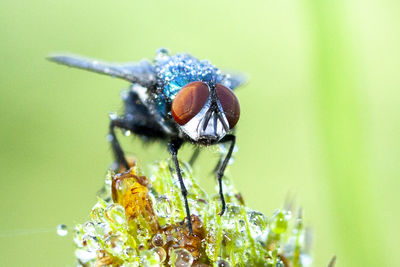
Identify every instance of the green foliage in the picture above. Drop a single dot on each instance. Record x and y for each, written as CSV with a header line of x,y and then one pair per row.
x,y
119,235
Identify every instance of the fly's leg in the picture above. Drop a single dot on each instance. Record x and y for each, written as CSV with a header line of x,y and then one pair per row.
x,y
173,148
222,167
194,156
119,154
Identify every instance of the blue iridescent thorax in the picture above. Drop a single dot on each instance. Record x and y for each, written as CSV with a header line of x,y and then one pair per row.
x,y
174,72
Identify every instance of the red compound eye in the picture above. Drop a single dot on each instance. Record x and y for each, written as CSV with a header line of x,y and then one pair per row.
x,y
189,101
229,103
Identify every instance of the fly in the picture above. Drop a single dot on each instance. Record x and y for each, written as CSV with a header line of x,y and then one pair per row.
x,y
177,99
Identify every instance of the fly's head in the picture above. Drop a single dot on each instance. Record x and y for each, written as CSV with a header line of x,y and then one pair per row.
x,y
205,111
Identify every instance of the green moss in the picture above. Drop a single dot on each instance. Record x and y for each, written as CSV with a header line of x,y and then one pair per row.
x,y
141,222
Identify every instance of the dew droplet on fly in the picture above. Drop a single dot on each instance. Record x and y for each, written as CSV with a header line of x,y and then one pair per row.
x,y
112,116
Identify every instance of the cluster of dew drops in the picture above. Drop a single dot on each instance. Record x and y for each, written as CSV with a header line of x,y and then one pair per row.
x,y
240,236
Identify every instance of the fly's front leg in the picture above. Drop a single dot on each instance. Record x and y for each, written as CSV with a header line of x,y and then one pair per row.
x,y
119,154
221,168
173,148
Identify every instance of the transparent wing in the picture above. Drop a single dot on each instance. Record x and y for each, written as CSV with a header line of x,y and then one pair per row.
x,y
142,73
234,79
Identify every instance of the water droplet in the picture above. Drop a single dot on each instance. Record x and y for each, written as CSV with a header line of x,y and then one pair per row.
x,y
110,137
102,228
92,242
129,252
97,213
162,254
227,83
115,243
257,223
78,238
235,149
223,263
124,94
89,228
234,210
238,242
305,260
257,218
116,213
112,116
129,117
162,54
242,225
62,230
162,50
158,240
183,258
163,207
84,255
127,133
279,222
223,149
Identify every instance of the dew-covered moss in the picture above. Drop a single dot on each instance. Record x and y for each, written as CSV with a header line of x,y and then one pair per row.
x,y
140,221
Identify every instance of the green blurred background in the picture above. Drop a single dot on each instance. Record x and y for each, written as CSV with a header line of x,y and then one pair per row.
x,y
319,114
